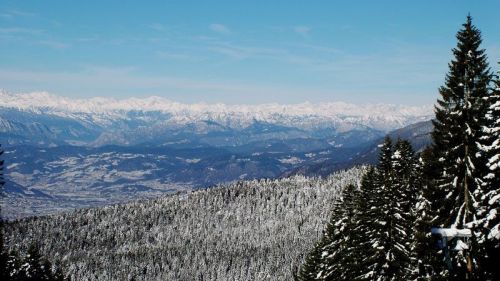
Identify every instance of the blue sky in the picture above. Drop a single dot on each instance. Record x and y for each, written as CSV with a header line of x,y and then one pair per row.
x,y
238,51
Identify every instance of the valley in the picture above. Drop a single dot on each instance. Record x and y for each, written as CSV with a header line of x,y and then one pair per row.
x,y
62,154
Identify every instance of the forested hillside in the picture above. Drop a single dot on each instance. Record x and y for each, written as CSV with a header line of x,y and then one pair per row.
x,y
248,230
432,215
428,209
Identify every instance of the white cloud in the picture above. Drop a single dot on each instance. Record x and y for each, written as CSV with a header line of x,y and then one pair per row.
x,y
20,30
157,26
243,52
54,44
6,16
126,81
176,56
10,14
302,30
21,13
219,28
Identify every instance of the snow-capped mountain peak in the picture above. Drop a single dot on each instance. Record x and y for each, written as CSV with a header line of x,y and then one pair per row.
x,y
379,116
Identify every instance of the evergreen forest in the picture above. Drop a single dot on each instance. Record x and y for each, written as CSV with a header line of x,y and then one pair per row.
x,y
431,214
392,227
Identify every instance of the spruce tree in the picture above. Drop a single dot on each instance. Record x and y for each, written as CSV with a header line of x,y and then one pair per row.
x,y
387,222
311,268
31,268
457,129
425,261
339,261
400,198
378,227
488,211
330,259
365,224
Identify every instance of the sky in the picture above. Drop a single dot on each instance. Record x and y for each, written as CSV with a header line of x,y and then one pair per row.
x,y
238,52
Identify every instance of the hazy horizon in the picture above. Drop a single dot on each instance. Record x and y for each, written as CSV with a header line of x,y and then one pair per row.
x,y
237,53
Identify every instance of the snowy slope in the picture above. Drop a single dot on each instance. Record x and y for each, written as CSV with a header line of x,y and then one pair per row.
x,y
104,111
77,151
249,230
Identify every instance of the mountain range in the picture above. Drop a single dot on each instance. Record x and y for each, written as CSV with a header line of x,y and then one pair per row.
x,y
64,153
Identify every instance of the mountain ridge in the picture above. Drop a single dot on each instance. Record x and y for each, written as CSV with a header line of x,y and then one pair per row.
x,y
101,110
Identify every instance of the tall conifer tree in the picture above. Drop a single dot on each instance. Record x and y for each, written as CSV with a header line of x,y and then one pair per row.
x,y
488,211
365,224
378,223
400,198
310,269
457,129
389,222
339,259
426,262
457,126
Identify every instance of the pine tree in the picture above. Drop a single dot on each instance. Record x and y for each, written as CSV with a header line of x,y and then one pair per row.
x,y
379,222
426,264
365,223
339,260
488,211
387,221
13,266
457,129
31,269
400,198
310,270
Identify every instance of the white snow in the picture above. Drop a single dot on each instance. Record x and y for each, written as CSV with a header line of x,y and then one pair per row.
x,y
11,166
461,246
494,199
291,160
344,115
396,154
494,233
452,232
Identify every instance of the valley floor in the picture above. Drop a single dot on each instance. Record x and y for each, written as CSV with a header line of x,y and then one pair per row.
x,y
248,230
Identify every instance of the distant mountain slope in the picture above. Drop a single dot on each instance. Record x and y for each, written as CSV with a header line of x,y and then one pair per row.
x,y
43,119
91,152
249,230
79,177
419,135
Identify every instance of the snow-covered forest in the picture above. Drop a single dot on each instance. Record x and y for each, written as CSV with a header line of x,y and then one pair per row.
x,y
248,230
382,231
431,214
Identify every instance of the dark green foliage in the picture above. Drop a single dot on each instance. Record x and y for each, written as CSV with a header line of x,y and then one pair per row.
x,y
366,221
488,194
426,261
336,256
460,117
339,239
32,268
370,230
311,267
378,224
391,222
457,127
